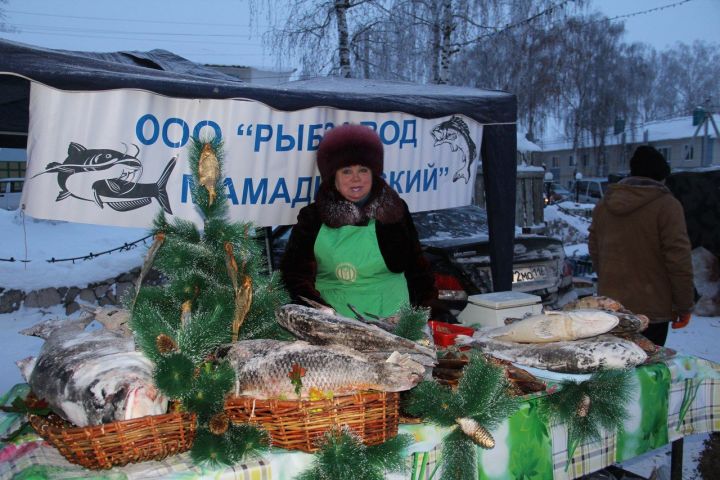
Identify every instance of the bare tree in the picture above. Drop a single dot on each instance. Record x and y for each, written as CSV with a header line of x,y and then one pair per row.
x,y
522,58
4,26
688,76
319,32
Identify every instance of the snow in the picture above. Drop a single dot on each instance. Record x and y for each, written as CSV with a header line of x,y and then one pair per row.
x,y
26,238
47,239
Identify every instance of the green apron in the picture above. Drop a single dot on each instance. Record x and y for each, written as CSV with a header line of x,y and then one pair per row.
x,y
351,269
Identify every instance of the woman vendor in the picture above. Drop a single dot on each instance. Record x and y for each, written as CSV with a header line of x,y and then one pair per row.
x,y
356,244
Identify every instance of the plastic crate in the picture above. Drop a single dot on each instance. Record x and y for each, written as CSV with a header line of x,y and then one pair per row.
x,y
444,333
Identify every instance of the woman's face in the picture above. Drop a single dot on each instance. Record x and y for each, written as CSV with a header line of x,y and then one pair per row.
x,y
353,182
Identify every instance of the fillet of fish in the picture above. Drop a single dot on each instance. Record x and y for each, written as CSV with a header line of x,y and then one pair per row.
x,y
90,377
263,369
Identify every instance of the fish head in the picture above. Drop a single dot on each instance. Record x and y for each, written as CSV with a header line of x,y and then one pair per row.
x,y
442,135
144,399
113,164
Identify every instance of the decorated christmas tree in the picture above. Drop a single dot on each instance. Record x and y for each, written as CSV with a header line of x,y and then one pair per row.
x,y
217,290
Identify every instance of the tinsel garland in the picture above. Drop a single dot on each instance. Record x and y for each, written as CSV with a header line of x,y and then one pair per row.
x,y
181,324
481,402
587,407
343,455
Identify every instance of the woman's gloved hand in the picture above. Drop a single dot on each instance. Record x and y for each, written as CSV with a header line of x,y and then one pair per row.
x,y
681,321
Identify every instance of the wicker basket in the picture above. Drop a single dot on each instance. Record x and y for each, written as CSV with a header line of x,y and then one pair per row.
x,y
299,424
118,443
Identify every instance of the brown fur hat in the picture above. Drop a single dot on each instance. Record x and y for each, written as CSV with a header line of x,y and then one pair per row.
x,y
347,145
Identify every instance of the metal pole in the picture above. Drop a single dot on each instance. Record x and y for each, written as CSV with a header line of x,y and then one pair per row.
x,y
676,460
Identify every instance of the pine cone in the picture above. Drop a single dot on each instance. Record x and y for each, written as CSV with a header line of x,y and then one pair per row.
x,y
219,423
476,432
165,344
583,408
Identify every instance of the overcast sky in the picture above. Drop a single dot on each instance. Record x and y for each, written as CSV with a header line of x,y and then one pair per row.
x,y
221,32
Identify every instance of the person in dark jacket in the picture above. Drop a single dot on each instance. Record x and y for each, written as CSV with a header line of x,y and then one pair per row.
x,y
356,244
640,248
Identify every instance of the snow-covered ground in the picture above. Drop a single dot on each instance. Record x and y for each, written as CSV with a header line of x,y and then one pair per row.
x,y
41,240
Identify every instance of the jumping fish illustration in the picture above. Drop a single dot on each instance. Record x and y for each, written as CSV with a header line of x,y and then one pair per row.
x,y
456,133
123,196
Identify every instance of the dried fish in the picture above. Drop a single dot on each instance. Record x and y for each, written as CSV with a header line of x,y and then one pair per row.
x,y
264,366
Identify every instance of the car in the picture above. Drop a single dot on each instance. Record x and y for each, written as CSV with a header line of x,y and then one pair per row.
x,y
589,190
455,242
10,192
555,193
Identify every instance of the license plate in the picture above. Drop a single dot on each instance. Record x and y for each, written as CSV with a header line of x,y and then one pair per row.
x,y
530,274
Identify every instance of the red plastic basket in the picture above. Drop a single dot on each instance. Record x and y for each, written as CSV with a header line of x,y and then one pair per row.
x,y
444,333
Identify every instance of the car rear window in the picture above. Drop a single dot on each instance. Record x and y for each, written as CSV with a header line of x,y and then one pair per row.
x,y
469,222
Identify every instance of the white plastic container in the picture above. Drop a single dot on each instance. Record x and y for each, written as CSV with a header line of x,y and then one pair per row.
x,y
491,309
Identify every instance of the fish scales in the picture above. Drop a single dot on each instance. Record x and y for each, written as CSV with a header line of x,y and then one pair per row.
x,y
263,368
92,377
319,328
578,356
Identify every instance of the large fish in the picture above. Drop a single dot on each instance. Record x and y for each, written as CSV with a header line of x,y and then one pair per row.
x,y
320,328
91,376
578,356
82,168
554,326
263,369
628,321
123,195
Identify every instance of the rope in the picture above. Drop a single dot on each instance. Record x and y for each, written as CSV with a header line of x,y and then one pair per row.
x,y
124,247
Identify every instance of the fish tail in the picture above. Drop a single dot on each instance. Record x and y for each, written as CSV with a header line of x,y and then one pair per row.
x,y
162,184
26,366
45,329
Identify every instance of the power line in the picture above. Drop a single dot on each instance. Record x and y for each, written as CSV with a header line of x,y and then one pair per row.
x,y
133,20
61,29
643,12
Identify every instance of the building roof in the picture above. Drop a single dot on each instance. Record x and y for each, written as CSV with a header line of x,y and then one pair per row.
x,y
657,131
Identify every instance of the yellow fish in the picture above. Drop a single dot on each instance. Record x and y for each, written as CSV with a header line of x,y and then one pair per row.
x,y
209,171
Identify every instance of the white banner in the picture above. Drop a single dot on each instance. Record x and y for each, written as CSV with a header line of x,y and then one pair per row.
x,y
107,157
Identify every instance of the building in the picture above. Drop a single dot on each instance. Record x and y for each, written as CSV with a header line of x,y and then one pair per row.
x,y
684,144
12,162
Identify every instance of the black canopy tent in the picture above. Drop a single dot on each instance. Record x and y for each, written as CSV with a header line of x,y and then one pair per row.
x,y
162,72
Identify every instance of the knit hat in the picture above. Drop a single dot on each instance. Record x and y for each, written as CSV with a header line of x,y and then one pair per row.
x,y
648,162
347,145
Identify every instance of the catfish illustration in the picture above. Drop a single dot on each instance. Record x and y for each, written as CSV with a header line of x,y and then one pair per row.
x,y
108,176
456,133
83,167
123,196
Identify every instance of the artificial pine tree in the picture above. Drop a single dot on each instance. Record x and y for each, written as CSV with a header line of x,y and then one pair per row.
x,y
480,403
217,291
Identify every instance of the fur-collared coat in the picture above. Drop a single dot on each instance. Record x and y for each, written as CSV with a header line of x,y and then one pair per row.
x,y
640,249
396,235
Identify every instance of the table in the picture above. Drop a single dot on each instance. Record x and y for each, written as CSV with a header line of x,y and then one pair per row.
x,y
677,397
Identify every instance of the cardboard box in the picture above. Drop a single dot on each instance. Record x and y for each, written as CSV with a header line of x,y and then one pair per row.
x,y
491,309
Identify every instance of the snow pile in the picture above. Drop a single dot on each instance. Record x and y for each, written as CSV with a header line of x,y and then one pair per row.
x,y
564,222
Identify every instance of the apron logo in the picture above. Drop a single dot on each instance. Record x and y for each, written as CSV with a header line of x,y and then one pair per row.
x,y
346,272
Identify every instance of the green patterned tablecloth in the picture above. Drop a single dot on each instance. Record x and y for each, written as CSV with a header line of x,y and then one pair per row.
x,y
678,397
